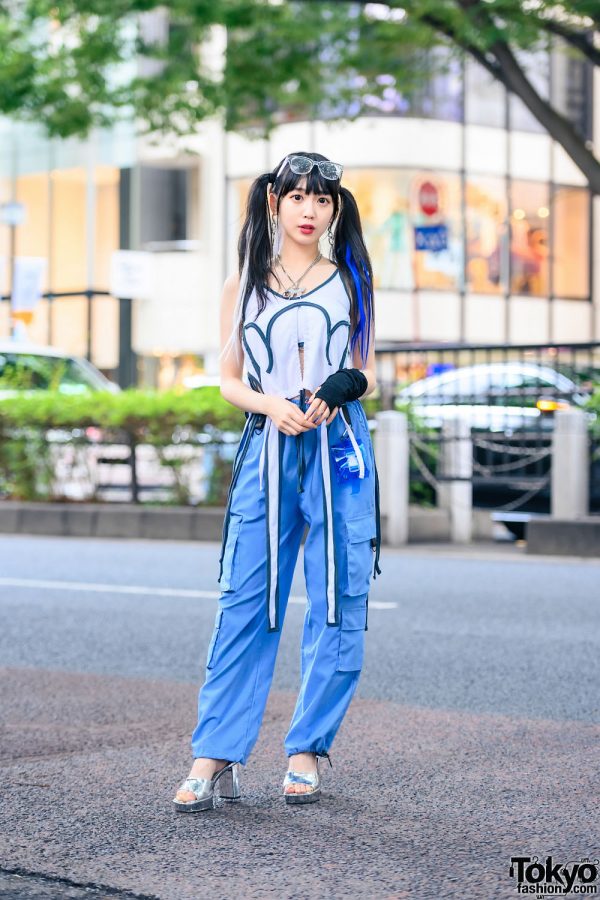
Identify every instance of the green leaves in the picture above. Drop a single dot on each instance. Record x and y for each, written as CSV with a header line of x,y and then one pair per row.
x,y
167,421
73,64
593,405
70,62
143,413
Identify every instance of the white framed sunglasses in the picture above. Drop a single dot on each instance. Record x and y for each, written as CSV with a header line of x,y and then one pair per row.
x,y
302,165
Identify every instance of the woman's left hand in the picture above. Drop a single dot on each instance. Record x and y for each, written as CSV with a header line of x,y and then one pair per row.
x,y
319,409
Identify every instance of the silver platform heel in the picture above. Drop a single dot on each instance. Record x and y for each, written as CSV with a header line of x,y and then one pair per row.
x,y
226,782
229,782
311,778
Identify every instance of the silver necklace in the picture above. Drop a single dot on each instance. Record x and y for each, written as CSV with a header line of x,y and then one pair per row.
x,y
295,290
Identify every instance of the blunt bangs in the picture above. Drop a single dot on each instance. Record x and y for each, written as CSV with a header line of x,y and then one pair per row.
x,y
315,184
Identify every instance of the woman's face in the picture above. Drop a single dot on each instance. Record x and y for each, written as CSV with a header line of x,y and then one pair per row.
x,y
297,209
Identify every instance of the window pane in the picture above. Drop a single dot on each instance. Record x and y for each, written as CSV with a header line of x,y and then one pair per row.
x,y
485,97
436,93
68,266
106,238
390,208
571,229
105,333
529,238
69,324
32,235
487,255
572,88
164,204
440,95
440,269
383,198
536,65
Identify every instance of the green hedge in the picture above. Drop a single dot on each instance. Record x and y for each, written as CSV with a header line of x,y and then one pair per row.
x,y
161,419
593,405
133,416
147,414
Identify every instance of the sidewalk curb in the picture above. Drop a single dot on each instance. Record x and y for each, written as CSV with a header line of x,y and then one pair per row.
x,y
112,520
184,523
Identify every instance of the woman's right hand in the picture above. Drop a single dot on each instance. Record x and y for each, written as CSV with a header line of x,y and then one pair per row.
x,y
287,417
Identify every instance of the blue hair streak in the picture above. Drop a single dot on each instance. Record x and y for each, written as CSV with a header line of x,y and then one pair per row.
x,y
362,333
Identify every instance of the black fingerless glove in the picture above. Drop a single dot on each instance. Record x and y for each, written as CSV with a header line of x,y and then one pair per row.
x,y
342,386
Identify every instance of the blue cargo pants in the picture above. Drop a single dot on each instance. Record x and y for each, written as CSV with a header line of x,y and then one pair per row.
x,y
341,547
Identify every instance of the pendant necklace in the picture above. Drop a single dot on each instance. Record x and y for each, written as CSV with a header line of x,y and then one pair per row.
x,y
295,290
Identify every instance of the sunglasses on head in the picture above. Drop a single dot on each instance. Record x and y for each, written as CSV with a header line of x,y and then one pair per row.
x,y
302,165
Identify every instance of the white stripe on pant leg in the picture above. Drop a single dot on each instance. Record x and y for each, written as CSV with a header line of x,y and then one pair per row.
x,y
330,568
273,488
261,461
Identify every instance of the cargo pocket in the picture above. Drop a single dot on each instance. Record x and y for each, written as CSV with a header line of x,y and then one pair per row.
x,y
361,533
214,640
352,639
230,576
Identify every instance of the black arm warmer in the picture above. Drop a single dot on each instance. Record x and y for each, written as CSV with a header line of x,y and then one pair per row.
x,y
342,386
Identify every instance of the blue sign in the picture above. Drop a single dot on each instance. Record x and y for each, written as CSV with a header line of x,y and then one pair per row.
x,y
431,237
438,368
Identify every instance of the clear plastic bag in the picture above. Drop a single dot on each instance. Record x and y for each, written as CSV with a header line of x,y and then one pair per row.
x,y
345,460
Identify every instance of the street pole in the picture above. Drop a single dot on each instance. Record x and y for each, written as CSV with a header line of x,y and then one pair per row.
x,y
11,270
13,214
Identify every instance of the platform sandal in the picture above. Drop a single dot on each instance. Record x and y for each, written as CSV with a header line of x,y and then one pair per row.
x,y
226,782
313,779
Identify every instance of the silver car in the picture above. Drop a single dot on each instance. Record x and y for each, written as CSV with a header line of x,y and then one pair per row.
x,y
494,396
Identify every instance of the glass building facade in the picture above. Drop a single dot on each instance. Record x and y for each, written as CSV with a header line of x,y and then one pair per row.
x,y
508,233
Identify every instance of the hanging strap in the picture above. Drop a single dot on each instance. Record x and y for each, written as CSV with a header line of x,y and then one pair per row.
x,y
354,442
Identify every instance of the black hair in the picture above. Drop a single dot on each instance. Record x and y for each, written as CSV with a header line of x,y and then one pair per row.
x,y
349,251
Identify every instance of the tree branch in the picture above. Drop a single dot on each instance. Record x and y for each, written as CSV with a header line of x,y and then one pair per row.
x,y
443,28
515,79
506,68
577,39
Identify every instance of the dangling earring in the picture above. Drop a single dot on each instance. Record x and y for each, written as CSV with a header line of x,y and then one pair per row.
x,y
331,240
277,236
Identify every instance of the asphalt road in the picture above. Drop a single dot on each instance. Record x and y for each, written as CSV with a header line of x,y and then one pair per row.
x,y
473,735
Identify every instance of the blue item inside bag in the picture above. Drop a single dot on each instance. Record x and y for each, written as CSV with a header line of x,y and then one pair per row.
x,y
345,460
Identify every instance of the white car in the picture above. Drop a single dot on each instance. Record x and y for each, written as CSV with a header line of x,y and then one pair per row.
x,y
41,366
80,469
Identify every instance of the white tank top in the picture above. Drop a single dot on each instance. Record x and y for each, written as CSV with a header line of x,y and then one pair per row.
x,y
318,321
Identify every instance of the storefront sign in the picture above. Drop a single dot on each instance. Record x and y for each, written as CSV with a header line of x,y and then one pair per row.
x,y
432,238
27,287
131,274
429,198
12,213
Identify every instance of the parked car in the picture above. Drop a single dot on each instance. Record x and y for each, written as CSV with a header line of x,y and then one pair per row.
x,y
26,368
193,382
101,466
510,408
500,396
31,367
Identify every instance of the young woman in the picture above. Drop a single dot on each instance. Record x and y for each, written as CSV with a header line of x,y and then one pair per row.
x,y
302,326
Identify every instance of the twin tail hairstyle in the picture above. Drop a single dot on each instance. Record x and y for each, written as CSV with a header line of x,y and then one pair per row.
x,y
258,245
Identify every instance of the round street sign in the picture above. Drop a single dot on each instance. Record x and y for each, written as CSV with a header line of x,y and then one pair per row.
x,y
429,198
